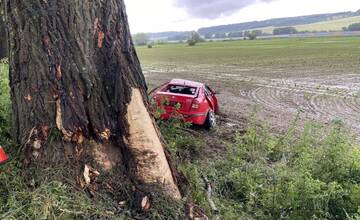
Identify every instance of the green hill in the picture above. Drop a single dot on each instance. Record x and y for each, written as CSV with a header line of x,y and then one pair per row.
x,y
331,25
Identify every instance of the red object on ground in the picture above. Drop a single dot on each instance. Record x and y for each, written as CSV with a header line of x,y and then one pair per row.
x,y
3,156
195,101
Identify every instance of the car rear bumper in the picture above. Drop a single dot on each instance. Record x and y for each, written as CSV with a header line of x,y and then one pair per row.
x,y
194,118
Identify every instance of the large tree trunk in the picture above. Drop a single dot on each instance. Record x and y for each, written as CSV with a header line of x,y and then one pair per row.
x,y
3,33
74,69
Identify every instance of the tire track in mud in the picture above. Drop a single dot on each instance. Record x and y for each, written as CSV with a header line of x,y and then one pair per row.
x,y
320,97
316,105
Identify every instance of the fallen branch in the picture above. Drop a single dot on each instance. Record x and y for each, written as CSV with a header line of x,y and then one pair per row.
x,y
208,196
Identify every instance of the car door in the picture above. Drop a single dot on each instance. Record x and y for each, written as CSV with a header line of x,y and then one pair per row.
x,y
210,96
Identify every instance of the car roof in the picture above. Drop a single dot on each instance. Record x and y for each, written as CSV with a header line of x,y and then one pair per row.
x,y
185,82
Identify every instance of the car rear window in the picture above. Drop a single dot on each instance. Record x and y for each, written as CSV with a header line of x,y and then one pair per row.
x,y
177,89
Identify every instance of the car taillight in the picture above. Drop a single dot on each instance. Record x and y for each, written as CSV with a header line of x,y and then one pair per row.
x,y
195,105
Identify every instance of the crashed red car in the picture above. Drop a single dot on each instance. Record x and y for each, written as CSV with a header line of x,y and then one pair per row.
x,y
195,101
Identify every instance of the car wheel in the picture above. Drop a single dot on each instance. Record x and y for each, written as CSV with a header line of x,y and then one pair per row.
x,y
210,120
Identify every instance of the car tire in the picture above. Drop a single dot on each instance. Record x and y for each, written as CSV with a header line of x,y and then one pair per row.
x,y
210,121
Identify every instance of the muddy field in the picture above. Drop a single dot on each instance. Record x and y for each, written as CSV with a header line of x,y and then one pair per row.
x,y
317,78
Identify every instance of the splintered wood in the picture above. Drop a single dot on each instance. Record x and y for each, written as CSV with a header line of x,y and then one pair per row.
x,y
145,145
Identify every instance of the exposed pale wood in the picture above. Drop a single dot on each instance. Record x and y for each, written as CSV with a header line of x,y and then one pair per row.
x,y
146,147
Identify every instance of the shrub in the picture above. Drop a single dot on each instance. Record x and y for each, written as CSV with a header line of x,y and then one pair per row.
x,y
191,43
291,178
195,38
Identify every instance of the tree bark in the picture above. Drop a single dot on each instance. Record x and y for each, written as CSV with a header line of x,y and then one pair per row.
x,y
3,33
74,70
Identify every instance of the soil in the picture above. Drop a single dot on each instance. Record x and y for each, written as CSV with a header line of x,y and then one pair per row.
x,y
316,96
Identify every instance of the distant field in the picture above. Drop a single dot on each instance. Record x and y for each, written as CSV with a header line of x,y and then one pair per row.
x,y
319,76
329,54
331,25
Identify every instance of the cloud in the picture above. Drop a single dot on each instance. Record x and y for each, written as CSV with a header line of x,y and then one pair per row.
x,y
214,8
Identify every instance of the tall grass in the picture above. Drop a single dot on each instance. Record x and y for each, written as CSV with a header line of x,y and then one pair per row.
x,y
314,175
5,118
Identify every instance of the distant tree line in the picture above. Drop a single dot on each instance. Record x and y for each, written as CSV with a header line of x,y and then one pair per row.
x,y
277,22
237,34
352,27
284,30
194,37
252,35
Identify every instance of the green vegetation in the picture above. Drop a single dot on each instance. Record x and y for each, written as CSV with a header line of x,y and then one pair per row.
x,y
285,177
328,53
284,30
315,175
312,173
353,27
194,39
252,35
5,109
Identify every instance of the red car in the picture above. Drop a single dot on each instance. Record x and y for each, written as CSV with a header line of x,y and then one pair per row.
x,y
195,101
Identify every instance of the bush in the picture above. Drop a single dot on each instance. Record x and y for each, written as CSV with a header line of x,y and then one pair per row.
x,y
290,178
191,43
194,39
314,175
252,35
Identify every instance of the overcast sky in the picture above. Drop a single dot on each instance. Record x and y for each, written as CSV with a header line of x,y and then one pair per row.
x,y
181,15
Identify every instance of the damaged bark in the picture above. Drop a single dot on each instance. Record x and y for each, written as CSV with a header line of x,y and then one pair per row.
x,y
74,69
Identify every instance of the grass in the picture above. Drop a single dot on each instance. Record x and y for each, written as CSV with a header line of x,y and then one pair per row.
x,y
241,64
341,52
262,175
5,109
284,177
